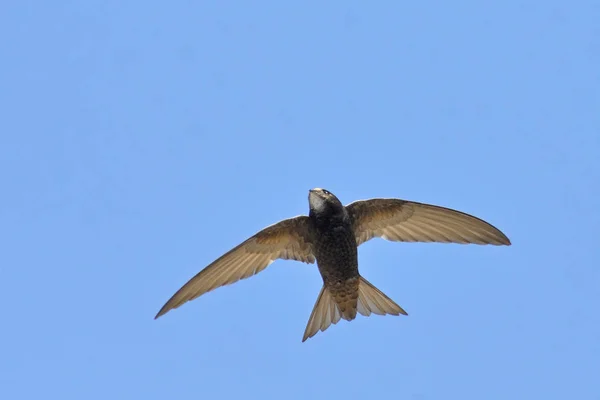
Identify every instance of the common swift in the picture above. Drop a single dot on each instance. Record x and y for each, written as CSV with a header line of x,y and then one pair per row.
x,y
330,235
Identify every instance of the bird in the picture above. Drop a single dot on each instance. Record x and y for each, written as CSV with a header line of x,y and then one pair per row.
x,y
330,236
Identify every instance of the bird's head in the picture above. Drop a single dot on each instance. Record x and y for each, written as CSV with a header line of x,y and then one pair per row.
x,y
322,201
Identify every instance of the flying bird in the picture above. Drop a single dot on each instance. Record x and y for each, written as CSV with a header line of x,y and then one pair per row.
x,y
330,235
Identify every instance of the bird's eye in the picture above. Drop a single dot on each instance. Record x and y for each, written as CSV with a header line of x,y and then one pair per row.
x,y
326,191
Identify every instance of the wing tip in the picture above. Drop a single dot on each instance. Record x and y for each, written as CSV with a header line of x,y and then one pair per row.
x,y
164,309
503,240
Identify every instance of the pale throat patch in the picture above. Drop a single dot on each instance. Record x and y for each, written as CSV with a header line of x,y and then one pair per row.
x,y
316,202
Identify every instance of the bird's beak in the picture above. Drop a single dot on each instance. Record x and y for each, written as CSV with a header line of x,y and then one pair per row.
x,y
315,193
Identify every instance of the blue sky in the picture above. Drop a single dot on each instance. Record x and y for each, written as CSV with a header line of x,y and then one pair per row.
x,y
141,140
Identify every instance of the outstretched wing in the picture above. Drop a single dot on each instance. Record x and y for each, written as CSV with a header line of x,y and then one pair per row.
x,y
408,221
288,239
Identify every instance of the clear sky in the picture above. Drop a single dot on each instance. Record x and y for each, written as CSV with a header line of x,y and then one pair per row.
x,y
140,140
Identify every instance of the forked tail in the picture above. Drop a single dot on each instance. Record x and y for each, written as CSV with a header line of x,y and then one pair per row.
x,y
370,300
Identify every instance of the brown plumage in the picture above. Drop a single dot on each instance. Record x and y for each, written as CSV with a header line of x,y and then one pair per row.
x,y
330,235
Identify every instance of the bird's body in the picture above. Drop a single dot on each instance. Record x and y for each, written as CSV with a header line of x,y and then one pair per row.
x,y
335,249
330,235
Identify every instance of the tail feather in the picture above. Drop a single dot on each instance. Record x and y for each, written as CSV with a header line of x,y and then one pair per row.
x,y
373,300
327,312
324,313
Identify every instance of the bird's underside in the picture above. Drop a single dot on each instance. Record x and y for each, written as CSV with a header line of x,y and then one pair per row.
x,y
298,239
